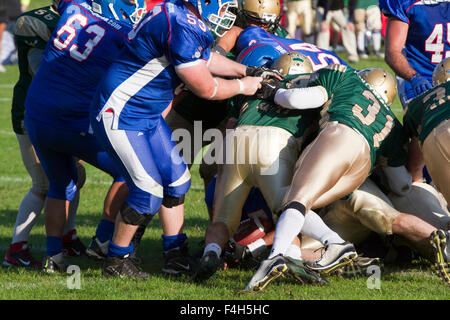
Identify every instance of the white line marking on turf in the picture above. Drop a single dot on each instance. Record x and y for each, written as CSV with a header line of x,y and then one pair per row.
x,y
5,99
7,133
6,86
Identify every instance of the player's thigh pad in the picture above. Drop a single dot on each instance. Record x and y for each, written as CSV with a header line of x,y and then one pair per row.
x,y
332,166
436,153
32,165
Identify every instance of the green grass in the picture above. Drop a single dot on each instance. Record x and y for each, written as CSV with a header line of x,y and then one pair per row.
x,y
415,282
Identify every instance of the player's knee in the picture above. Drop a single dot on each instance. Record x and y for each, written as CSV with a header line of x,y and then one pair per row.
x,y
131,216
169,201
40,187
378,220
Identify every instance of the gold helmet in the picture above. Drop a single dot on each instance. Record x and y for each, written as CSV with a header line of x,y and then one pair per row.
x,y
261,11
382,81
292,63
441,73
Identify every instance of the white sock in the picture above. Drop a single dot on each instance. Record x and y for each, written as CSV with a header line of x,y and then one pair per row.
x,y
29,210
376,39
294,252
288,227
213,247
314,227
73,207
361,40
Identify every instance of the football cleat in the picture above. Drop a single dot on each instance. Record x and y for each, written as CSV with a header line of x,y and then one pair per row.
x,y
122,267
298,271
18,255
97,250
178,261
335,256
72,245
440,243
358,267
208,265
54,264
269,270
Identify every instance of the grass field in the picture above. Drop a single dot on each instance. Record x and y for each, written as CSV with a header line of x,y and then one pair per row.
x,y
415,282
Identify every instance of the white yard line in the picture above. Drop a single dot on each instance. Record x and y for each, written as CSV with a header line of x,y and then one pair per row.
x,y
6,86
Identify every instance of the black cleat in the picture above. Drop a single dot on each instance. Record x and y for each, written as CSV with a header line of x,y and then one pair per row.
x,y
122,267
97,250
54,264
209,264
178,261
440,243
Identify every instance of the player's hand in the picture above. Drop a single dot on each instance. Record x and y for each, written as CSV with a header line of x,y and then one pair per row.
x,y
268,89
250,85
263,72
420,84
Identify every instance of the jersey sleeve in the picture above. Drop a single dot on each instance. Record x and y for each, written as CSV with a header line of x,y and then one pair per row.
x,y
395,8
410,124
328,77
188,44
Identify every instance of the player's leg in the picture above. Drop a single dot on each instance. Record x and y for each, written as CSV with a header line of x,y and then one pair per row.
x,y
176,181
374,25
132,155
436,153
323,37
292,17
360,25
348,35
30,208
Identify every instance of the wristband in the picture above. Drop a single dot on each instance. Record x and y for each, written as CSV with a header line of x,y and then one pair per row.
x,y
241,86
216,86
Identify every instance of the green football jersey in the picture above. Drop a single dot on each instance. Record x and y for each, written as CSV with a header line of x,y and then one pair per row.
x,y
32,31
427,111
353,102
364,4
255,112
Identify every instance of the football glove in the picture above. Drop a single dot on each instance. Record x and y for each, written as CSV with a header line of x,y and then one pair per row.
x,y
268,89
263,72
420,84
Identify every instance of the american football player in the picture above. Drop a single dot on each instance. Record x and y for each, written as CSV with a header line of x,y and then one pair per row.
x,y
416,41
32,31
87,38
427,119
260,152
368,18
171,46
300,13
355,110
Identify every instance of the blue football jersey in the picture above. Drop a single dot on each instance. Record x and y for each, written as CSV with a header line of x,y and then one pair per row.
x,y
319,58
428,40
80,50
140,85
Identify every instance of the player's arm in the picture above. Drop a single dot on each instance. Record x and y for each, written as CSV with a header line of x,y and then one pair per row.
x,y
222,66
228,41
396,33
202,83
295,98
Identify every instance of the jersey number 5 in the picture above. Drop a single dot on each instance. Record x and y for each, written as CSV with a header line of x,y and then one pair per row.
x,y
69,29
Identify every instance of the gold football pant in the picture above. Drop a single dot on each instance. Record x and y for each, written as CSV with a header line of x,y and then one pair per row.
x,y
262,157
436,153
333,165
300,13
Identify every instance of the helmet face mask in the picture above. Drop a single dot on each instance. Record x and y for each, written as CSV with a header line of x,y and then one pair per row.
x,y
382,82
129,11
292,63
441,72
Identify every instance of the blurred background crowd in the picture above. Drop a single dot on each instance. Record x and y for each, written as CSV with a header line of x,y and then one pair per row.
x,y
354,26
